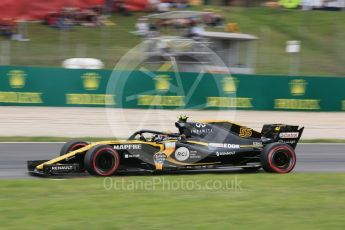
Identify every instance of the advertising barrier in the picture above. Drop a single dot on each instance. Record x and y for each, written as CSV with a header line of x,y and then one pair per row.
x,y
30,86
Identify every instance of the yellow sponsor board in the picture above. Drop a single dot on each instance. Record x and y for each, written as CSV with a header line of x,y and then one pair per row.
x,y
229,84
162,83
298,87
230,102
17,78
343,105
90,99
158,100
307,104
21,97
91,81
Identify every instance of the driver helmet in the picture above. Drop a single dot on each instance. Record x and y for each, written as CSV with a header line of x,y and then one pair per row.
x,y
183,118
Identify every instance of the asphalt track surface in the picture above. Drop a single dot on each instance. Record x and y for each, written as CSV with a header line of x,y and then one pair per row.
x,y
310,157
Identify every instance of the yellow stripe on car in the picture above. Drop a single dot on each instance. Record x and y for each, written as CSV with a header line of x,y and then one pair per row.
x,y
84,149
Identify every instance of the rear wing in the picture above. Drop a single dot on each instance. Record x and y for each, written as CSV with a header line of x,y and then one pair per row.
x,y
289,134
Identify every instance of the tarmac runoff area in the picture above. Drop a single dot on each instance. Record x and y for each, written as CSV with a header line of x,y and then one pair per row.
x,y
81,122
310,158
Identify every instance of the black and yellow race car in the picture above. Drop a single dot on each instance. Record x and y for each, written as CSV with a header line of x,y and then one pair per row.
x,y
197,145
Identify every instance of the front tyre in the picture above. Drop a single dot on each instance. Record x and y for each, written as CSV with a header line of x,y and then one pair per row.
x,y
278,158
102,160
72,146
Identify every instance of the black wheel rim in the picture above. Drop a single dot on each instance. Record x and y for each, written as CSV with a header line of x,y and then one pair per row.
x,y
105,161
281,159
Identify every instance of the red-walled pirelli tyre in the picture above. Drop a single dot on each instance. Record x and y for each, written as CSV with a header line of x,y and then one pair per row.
x,y
278,158
71,146
102,160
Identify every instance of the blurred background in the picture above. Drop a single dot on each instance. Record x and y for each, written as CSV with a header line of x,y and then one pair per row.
x,y
300,41
287,65
42,33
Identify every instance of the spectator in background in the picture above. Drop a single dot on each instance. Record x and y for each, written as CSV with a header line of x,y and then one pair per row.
x,y
228,2
7,27
108,4
153,31
307,5
142,27
152,5
64,22
213,19
16,34
69,17
121,7
52,19
90,18
164,7
11,29
181,4
195,30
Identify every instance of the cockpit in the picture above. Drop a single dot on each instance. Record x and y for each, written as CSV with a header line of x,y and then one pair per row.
x,y
211,131
153,136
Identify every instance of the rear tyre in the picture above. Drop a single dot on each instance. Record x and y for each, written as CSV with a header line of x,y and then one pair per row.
x,y
102,160
278,158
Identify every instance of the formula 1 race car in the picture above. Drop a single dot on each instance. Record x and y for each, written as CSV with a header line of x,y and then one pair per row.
x,y
197,145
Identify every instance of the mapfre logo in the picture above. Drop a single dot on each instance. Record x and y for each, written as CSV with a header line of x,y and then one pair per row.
x,y
127,147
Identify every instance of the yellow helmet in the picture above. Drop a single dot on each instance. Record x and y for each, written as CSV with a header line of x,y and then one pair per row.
x,y
182,118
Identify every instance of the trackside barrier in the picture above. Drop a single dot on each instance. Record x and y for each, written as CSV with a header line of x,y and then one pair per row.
x,y
33,86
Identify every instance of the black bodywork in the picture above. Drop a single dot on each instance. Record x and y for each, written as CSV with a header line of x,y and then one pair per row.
x,y
197,145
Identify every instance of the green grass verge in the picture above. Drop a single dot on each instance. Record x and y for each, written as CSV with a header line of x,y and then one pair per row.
x,y
320,32
256,201
64,139
322,140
